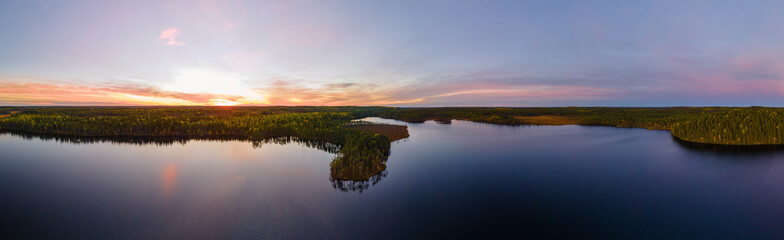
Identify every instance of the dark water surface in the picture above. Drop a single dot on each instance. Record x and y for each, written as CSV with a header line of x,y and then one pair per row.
x,y
447,180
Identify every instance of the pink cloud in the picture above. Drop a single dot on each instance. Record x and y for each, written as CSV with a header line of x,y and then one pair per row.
x,y
170,35
74,94
339,94
291,93
229,26
744,75
489,93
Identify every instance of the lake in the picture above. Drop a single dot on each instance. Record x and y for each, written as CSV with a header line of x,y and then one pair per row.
x,y
455,180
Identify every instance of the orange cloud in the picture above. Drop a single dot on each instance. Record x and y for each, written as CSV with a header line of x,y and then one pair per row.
x,y
291,93
170,35
341,94
64,94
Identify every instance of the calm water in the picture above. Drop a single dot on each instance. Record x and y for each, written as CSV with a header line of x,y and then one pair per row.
x,y
458,180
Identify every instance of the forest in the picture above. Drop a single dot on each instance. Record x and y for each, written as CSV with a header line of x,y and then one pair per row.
x,y
707,125
752,126
362,154
365,147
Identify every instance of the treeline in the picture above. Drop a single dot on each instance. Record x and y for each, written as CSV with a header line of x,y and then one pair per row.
x,y
5,111
719,125
652,118
361,155
713,125
146,124
649,118
749,126
486,115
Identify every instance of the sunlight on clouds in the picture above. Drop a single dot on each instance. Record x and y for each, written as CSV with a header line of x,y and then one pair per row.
x,y
53,93
541,91
201,87
522,93
215,82
148,100
223,102
206,81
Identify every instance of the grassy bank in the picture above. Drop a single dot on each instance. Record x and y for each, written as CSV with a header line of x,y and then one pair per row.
x,y
394,132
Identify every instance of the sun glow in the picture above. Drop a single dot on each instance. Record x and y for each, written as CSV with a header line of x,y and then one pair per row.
x,y
210,81
148,100
226,88
223,102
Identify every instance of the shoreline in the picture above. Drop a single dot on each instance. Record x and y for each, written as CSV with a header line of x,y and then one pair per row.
x,y
735,126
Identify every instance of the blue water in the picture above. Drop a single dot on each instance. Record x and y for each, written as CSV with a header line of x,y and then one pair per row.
x,y
447,180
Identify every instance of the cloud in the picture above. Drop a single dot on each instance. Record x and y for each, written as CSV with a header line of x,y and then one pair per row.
x,y
296,92
489,94
170,36
229,26
289,92
54,93
340,85
750,76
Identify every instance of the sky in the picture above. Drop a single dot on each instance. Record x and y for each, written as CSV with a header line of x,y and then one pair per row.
x,y
403,53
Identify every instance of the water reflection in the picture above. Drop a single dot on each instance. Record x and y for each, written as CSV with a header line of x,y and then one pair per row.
x,y
741,150
169,177
157,141
320,145
169,174
357,186
443,121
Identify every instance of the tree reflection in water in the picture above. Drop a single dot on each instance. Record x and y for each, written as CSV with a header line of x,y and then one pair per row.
x,y
719,149
358,186
345,172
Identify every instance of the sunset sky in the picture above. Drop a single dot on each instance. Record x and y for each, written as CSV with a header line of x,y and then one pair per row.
x,y
395,53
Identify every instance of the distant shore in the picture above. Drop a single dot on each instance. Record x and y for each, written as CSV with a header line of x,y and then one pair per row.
x,y
708,125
